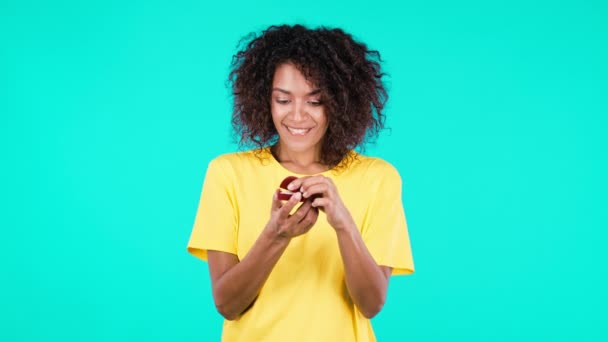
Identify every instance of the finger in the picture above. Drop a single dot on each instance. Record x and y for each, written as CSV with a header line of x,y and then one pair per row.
x,y
309,220
314,180
296,184
319,188
320,202
289,205
276,203
302,211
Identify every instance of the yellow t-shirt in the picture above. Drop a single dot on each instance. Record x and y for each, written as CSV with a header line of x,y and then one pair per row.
x,y
305,297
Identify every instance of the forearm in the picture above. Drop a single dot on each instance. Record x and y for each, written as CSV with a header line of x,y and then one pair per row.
x,y
365,280
237,289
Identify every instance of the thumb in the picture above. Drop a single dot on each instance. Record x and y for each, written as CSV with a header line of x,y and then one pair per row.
x,y
276,203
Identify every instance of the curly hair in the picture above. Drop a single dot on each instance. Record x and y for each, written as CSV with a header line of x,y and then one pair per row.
x,y
347,73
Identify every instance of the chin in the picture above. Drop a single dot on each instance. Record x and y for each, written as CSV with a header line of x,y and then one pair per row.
x,y
299,146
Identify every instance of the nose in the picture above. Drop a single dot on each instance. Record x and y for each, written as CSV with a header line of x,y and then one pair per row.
x,y
298,113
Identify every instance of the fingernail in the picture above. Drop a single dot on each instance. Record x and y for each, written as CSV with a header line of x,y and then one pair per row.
x,y
298,196
291,186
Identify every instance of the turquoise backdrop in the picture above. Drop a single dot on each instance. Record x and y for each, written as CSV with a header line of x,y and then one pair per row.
x,y
111,110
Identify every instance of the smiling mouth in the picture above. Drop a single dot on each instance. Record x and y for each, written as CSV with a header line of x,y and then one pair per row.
x,y
298,131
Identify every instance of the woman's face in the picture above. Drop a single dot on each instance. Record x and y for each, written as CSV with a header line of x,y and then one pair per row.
x,y
297,111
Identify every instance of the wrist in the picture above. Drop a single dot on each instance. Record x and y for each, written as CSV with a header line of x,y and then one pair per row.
x,y
348,226
274,236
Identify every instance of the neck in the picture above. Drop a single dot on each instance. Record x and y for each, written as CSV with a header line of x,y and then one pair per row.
x,y
301,162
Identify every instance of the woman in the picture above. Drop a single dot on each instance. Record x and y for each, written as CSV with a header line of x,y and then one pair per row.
x,y
314,267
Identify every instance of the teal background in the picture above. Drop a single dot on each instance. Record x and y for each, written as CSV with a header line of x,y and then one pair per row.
x,y
111,110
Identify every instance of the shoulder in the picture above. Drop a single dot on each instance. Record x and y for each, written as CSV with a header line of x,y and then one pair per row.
x,y
234,158
374,167
237,161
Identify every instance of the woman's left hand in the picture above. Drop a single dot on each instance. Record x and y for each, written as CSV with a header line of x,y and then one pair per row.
x,y
325,197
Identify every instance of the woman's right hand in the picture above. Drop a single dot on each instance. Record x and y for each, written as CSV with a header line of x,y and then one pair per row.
x,y
284,225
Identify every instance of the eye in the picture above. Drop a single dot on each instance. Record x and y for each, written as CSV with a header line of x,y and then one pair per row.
x,y
282,101
315,103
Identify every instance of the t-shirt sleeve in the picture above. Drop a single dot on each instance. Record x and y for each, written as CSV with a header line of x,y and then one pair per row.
x,y
215,223
385,228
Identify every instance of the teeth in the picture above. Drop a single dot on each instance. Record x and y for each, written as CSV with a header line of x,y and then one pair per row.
x,y
300,131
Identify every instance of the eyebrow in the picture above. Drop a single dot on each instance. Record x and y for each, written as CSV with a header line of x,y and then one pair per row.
x,y
314,92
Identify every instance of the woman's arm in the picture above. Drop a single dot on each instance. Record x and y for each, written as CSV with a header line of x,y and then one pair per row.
x,y
367,282
236,283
